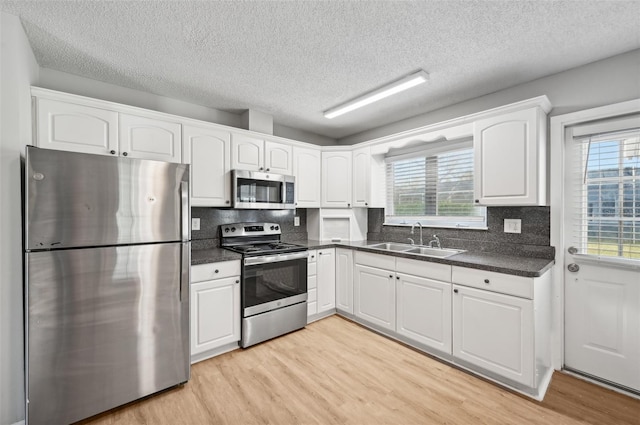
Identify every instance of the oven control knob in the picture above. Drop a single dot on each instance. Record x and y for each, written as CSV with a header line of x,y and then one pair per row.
x,y
277,228
226,230
272,228
233,229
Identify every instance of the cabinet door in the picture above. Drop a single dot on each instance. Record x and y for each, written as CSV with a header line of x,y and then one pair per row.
x,y
69,127
208,152
306,169
424,311
375,296
247,153
494,331
336,179
215,314
361,177
148,138
326,274
344,280
507,163
278,158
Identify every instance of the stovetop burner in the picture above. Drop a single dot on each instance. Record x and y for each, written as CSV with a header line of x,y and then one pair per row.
x,y
256,239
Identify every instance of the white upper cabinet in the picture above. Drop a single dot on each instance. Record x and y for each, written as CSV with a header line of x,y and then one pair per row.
x,y
278,158
208,152
510,158
148,138
77,128
336,179
306,169
361,177
256,154
247,153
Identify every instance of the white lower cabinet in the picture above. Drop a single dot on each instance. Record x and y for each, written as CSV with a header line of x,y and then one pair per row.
x,y
344,280
326,279
215,307
375,296
494,331
312,284
424,311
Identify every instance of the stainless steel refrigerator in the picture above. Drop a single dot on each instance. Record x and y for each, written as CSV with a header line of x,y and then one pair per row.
x,y
107,256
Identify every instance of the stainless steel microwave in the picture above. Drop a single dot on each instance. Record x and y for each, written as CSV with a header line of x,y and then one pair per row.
x,y
257,190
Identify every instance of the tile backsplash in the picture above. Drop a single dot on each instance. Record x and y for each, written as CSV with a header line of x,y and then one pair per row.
x,y
533,241
211,218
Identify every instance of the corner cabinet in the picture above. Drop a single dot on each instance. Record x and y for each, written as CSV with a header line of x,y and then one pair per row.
x,y
510,158
208,152
336,179
215,309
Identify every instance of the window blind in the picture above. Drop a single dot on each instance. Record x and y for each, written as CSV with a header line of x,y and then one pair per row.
x,y
434,187
604,192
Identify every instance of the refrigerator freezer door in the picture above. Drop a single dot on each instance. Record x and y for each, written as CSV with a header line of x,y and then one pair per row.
x,y
75,199
105,326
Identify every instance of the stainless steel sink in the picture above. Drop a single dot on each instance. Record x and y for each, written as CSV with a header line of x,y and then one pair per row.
x,y
434,252
390,246
412,249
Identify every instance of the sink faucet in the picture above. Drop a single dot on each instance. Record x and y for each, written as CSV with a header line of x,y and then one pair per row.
x,y
435,240
412,241
414,226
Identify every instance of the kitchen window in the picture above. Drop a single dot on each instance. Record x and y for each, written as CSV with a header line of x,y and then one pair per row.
x,y
433,185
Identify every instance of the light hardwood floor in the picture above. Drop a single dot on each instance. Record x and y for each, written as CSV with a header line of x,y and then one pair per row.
x,y
336,372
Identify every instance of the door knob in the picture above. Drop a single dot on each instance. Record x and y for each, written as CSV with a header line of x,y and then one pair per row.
x,y
573,267
572,250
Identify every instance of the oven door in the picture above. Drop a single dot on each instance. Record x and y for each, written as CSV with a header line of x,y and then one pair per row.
x,y
274,281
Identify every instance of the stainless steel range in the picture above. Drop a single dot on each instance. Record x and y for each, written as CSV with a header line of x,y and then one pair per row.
x,y
274,280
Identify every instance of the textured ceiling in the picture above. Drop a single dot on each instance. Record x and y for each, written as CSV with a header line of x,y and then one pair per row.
x,y
294,59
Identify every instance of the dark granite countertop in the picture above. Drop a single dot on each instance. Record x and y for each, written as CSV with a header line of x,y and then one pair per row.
x,y
212,255
513,265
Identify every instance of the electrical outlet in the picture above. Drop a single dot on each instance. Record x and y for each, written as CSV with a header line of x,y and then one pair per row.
x,y
296,221
512,225
195,224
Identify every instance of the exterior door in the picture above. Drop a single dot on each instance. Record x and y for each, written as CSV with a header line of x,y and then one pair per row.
x,y
602,233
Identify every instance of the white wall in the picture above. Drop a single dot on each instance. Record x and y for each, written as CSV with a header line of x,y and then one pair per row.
x,y
608,81
69,83
18,70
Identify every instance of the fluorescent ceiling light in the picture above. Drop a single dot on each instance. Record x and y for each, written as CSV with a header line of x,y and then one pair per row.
x,y
378,94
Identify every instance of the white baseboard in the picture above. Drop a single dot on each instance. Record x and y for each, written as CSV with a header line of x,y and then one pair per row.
x,y
19,423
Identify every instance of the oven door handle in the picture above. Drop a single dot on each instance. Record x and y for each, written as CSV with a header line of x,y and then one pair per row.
x,y
275,258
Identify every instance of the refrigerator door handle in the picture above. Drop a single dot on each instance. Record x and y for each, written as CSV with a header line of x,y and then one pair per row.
x,y
186,212
185,275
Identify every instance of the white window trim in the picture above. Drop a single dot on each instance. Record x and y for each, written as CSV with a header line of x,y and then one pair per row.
x,y
558,131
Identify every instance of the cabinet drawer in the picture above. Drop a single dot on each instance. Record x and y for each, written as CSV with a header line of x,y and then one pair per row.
x,y
424,269
313,254
378,261
312,269
312,281
491,281
219,270
312,295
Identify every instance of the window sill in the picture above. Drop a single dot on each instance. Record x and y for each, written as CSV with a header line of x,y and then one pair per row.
x,y
436,226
